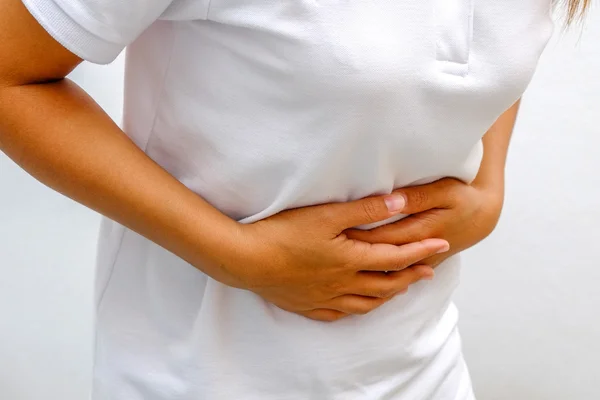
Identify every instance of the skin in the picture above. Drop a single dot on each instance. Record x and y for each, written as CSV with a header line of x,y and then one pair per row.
x,y
57,133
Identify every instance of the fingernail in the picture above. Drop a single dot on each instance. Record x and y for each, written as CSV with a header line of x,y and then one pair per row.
x,y
426,273
428,276
395,202
444,249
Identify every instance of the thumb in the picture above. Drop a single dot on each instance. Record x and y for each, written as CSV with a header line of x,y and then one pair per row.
x,y
364,211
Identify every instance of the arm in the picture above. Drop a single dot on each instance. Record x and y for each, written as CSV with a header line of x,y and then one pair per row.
x,y
495,145
57,133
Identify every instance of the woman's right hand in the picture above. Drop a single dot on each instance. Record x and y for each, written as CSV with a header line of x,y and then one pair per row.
x,y
301,261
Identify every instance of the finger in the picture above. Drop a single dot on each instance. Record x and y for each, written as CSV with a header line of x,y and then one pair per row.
x,y
380,285
438,194
413,228
356,305
342,216
386,257
323,315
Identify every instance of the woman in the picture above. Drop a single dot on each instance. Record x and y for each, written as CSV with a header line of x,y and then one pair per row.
x,y
272,149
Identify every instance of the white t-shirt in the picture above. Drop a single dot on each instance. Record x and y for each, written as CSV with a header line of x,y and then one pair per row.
x,y
264,105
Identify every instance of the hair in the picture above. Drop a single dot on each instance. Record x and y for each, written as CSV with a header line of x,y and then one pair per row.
x,y
576,9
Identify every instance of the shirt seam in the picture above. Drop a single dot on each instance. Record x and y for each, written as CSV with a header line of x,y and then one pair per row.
x,y
144,148
161,91
208,4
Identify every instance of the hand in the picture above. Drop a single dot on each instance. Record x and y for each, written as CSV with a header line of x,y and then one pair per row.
x,y
460,213
301,261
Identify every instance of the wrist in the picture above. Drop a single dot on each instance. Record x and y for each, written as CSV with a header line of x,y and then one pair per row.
x,y
491,205
219,247
491,189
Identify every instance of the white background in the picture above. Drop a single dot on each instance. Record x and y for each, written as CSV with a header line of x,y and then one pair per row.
x,y
530,296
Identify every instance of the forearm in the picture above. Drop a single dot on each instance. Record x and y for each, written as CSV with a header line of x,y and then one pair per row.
x,y
57,133
495,150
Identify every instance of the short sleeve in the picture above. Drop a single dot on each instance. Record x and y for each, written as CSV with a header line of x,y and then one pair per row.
x,y
96,30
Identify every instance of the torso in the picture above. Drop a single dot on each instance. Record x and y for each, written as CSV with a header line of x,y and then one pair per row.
x,y
260,106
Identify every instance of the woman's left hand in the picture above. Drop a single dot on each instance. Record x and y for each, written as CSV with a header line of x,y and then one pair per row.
x,y
448,209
